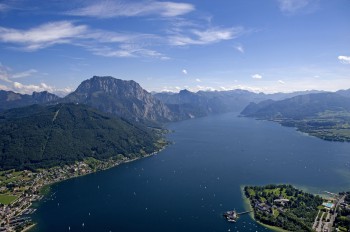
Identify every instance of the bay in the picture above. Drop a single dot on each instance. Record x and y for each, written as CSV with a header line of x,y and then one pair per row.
x,y
191,183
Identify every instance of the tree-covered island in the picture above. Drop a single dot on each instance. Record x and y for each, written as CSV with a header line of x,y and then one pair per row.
x,y
291,209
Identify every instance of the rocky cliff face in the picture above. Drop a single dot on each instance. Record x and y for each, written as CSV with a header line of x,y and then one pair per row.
x,y
123,98
44,97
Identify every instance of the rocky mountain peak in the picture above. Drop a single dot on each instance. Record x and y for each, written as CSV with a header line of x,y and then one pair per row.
x,y
123,98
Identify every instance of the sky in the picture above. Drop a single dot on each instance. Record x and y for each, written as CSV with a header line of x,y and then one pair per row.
x,y
262,46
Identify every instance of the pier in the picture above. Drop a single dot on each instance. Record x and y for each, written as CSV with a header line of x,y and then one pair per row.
x,y
245,212
232,215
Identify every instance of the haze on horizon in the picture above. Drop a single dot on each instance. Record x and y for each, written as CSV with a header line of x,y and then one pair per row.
x,y
262,46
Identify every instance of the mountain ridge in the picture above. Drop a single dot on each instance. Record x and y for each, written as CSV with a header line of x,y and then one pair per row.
x,y
324,115
10,99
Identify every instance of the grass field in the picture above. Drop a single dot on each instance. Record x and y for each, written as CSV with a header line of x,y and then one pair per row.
x,y
7,199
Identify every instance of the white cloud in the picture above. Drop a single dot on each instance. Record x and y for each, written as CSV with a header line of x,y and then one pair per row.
x,y
198,80
7,76
110,9
28,89
4,7
184,71
114,44
127,50
99,42
201,88
4,87
246,87
4,73
27,73
256,76
62,92
344,59
281,82
240,48
43,36
291,6
175,89
208,36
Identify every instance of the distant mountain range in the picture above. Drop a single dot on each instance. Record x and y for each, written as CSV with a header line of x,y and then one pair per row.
x,y
324,115
298,107
189,104
127,99
9,99
44,136
106,116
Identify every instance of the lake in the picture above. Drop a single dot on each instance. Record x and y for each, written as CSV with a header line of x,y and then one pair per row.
x,y
191,183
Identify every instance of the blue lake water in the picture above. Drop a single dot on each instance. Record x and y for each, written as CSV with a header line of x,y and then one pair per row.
x,y
190,184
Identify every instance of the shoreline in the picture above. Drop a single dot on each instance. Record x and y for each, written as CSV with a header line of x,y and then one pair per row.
x,y
96,171
28,228
247,206
47,186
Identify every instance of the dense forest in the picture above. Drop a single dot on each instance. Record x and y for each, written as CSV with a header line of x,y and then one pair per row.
x,y
44,136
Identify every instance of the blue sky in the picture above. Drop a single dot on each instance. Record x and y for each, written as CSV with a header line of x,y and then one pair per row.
x,y
263,46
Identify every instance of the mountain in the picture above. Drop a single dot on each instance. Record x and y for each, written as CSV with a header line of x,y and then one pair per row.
x,y
44,136
185,104
122,98
345,93
188,104
298,107
324,115
9,99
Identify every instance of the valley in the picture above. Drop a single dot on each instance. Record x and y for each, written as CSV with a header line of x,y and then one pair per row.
x,y
107,122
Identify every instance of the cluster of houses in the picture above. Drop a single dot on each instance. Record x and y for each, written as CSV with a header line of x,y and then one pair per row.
x,y
279,204
17,214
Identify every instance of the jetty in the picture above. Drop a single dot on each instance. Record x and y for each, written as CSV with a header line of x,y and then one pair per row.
x,y
232,215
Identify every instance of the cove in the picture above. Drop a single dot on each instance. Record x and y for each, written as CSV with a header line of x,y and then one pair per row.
x,y
188,186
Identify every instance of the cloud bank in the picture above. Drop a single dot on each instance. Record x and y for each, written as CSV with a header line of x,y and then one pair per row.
x,y
111,9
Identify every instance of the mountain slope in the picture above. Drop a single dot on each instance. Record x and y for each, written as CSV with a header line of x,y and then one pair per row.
x,y
38,136
9,99
324,115
345,93
298,107
122,98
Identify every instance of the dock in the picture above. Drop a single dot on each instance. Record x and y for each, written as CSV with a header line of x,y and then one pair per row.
x,y
232,215
245,212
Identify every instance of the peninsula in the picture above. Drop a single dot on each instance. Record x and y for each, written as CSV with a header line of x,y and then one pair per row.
x,y
288,208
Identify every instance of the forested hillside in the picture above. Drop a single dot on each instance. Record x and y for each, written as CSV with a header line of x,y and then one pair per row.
x,y
39,136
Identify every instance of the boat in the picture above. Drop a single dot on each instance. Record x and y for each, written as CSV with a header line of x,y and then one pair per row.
x,y
231,215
